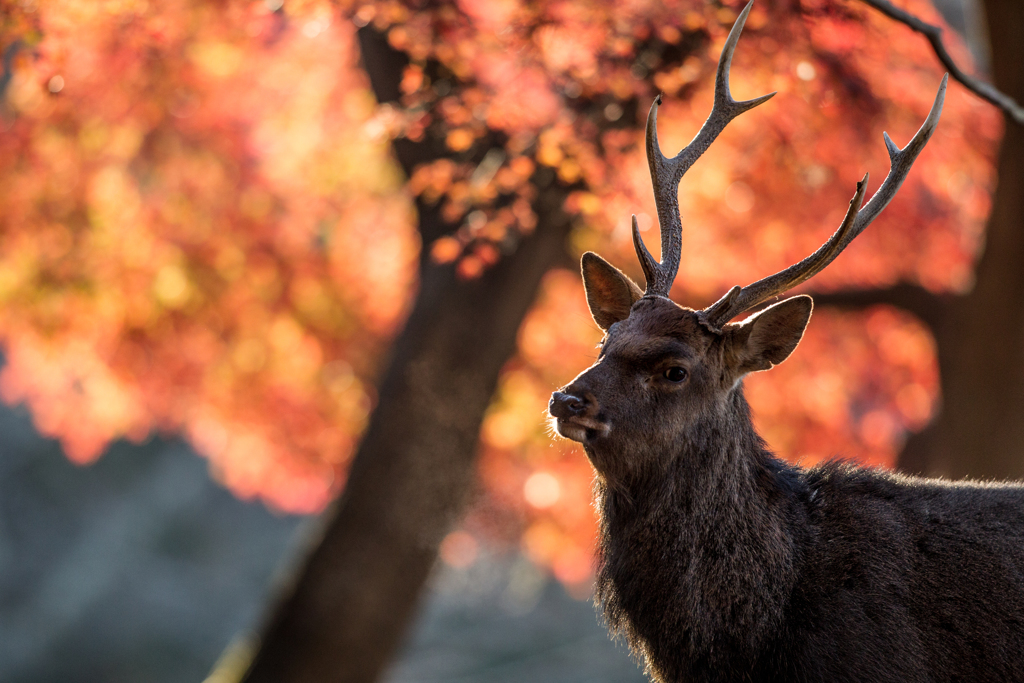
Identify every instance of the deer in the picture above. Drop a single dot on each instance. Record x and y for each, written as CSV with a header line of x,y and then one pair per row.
x,y
718,561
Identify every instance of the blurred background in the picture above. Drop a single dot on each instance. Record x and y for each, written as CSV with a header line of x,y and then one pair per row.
x,y
285,287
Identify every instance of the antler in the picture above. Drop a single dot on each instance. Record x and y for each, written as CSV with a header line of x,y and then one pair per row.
x,y
666,173
740,299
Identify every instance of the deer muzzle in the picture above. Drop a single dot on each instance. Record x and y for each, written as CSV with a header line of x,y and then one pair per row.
x,y
575,416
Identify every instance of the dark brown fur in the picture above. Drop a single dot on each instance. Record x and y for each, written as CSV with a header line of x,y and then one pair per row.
x,y
720,562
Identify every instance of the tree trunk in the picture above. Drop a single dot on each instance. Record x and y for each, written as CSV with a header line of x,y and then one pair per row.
x,y
412,474
980,430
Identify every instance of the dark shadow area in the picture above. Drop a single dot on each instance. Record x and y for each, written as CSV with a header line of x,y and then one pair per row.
x,y
137,568
504,621
142,568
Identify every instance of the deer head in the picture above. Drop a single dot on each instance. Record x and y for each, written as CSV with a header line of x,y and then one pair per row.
x,y
667,374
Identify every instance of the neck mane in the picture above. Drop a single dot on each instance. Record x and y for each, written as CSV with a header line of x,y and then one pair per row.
x,y
698,559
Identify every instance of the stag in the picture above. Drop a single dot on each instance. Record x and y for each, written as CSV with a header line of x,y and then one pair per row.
x,y
720,562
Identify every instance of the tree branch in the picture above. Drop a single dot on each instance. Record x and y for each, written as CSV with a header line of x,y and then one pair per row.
x,y
933,33
7,69
927,306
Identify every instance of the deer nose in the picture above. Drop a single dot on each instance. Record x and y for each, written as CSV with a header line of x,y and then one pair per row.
x,y
566,405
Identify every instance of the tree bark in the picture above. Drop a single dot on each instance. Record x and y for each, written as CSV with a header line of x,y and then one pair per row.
x,y
412,474
980,430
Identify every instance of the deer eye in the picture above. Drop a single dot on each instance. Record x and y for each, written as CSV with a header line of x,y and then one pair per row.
x,y
675,374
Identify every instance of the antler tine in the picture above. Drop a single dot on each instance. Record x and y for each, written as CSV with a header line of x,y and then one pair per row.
x,y
666,173
738,299
900,162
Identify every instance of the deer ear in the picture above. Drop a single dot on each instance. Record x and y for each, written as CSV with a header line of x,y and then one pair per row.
x,y
610,294
767,338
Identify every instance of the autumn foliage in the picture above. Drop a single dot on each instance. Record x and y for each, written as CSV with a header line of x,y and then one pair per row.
x,y
202,232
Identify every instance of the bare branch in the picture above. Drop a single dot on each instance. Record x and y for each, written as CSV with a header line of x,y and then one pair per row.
x,y
7,66
929,307
984,90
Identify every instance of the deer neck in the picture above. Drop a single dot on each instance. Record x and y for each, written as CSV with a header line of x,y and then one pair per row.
x,y
698,559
